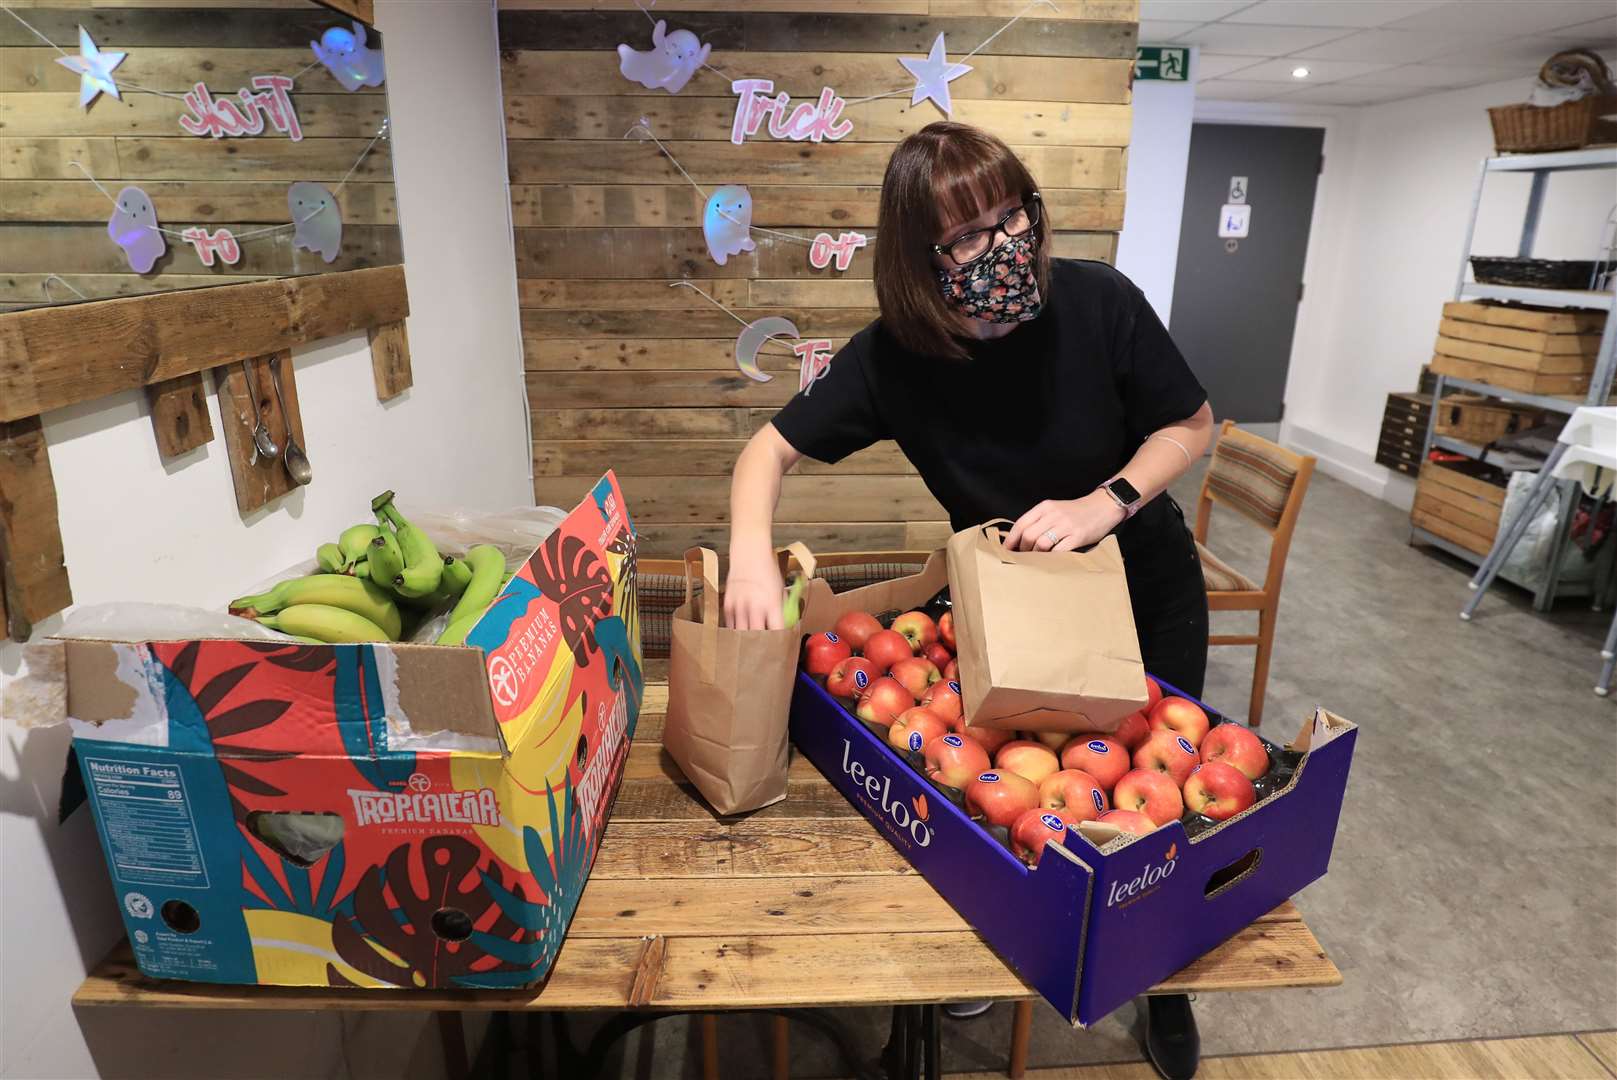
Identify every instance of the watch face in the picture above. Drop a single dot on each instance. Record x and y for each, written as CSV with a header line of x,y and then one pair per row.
x,y
1124,490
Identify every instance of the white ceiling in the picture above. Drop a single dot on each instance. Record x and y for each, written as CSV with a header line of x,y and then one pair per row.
x,y
1364,52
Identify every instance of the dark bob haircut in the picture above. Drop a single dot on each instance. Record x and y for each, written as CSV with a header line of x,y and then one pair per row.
x,y
944,174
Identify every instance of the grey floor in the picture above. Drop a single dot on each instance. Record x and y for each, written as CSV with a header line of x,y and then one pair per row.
x,y
1473,886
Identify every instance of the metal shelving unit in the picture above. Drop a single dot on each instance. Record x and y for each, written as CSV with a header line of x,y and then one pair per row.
x,y
1540,166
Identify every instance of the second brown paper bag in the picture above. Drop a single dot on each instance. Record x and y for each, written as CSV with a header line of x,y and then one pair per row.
x,y
1046,639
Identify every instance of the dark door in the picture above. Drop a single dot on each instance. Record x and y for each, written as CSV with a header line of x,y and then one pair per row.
x,y
1235,298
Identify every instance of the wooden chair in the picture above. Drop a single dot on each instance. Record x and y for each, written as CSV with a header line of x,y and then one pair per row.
x,y
1264,483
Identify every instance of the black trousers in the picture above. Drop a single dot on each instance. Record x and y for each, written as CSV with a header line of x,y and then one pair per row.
x,y
1168,595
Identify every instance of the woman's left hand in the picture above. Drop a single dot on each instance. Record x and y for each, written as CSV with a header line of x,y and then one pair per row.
x,y
1056,525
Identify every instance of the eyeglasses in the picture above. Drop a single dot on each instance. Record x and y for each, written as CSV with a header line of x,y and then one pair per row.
x,y
975,244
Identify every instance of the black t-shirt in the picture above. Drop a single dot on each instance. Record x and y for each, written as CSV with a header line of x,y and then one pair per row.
x,y
1051,410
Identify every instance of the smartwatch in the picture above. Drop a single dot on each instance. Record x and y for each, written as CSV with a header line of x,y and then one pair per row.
x,y
1123,494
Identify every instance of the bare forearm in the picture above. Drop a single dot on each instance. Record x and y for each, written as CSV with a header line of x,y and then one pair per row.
x,y
754,495
1161,461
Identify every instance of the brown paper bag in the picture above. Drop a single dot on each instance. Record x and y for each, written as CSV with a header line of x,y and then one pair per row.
x,y
1046,639
730,692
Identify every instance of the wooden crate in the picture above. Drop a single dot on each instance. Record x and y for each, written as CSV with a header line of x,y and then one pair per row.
x,y
1460,502
1482,420
1536,351
1528,382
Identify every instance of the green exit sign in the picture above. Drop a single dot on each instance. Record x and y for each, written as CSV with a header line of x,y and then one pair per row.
x,y
1161,62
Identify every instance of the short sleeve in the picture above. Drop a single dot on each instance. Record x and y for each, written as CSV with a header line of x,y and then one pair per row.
x,y
1157,386
837,414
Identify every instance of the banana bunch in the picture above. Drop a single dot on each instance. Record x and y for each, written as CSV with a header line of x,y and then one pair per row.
x,y
379,583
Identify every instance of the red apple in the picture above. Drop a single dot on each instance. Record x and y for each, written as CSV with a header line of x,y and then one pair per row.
x,y
822,652
1101,756
1075,792
1238,746
1000,797
955,760
918,629
915,728
1133,731
851,678
884,702
936,653
917,674
1026,758
951,670
886,648
943,698
1151,793
1180,716
1153,693
946,630
856,627
1129,821
990,739
1035,828
1219,791
1167,753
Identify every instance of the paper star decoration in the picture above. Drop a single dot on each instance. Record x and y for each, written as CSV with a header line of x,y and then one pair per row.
x,y
933,76
94,68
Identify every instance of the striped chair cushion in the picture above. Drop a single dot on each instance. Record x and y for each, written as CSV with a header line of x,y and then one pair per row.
x,y
1220,576
1251,475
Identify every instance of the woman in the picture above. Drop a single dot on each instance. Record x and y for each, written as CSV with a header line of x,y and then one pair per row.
x,y
1041,390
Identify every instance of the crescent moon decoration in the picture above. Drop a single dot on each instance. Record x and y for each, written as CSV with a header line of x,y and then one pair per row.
x,y
753,337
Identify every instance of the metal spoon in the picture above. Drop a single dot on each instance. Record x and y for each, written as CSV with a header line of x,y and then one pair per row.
x,y
263,441
297,462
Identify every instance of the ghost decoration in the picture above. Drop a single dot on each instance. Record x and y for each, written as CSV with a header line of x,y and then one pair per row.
x,y
316,219
350,61
727,222
133,227
670,63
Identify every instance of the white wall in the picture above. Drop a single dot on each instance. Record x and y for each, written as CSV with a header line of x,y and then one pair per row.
x,y
1390,223
1159,149
136,529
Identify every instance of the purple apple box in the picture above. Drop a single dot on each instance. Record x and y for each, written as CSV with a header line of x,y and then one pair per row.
x,y
1100,920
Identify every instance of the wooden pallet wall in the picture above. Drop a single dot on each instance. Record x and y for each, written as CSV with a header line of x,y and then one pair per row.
x,y
628,373
54,221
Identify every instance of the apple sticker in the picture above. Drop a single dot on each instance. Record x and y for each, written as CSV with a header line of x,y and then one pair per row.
x,y
915,740
861,680
1184,744
989,778
1099,747
1099,799
1052,822
954,740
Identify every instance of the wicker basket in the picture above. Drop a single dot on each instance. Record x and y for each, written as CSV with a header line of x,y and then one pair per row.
x,y
1533,273
1482,420
1532,129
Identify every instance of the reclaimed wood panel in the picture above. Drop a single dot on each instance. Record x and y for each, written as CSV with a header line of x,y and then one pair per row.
x,y
31,558
146,339
623,371
245,395
33,69
188,201
137,158
1022,78
180,417
319,115
390,360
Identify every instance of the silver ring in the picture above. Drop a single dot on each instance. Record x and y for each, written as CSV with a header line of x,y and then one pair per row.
x,y
1052,537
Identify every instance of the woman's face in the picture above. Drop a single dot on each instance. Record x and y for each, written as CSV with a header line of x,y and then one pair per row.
x,y
985,220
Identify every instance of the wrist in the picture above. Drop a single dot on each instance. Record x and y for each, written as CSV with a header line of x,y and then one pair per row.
x,y
1109,505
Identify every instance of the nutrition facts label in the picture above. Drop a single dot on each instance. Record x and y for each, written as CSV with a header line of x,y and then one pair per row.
x,y
151,833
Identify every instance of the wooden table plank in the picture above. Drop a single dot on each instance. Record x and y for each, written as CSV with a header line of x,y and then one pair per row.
x,y
769,907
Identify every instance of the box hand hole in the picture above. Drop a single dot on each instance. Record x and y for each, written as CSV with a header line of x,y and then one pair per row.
x,y
302,837
451,924
1224,880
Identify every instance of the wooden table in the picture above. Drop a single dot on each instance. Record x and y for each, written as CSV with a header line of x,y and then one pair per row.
x,y
686,912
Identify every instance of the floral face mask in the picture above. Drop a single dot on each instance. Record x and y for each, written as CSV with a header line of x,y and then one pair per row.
x,y
999,287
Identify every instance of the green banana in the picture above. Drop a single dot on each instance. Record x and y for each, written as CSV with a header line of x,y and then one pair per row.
x,y
423,565
362,569
330,590
455,633
333,625
488,567
458,573
386,558
330,558
794,600
355,541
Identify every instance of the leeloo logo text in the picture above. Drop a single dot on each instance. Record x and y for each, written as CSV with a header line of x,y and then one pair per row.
x,y
880,791
1149,879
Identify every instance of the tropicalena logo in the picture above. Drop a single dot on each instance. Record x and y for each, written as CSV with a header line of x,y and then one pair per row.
x,y
880,789
422,804
1148,880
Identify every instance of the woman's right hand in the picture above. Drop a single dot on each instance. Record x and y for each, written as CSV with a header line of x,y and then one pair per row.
x,y
755,597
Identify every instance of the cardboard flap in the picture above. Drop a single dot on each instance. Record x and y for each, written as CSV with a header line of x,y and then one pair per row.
x,y
545,620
